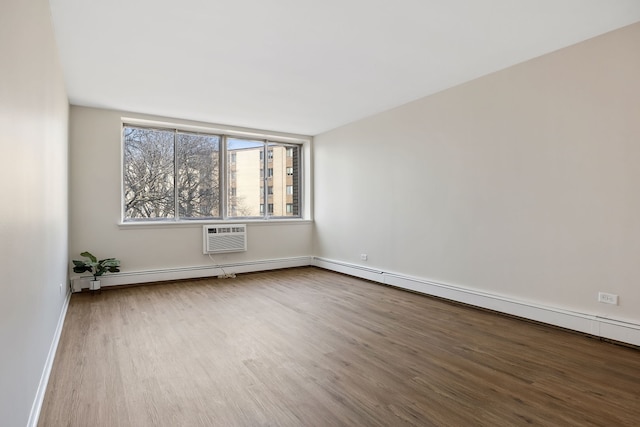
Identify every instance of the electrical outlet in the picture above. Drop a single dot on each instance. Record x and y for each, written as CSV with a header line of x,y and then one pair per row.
x,y
363,257
608,298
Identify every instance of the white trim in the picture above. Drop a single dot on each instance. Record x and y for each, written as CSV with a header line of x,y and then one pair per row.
x,y
135,277
34,415
199,223
617,330
350,269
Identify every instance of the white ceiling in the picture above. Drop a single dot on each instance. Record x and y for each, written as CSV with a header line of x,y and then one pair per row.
x,y
303,66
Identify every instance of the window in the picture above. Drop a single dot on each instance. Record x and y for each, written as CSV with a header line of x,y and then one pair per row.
x,y
254,188
170,174
175,175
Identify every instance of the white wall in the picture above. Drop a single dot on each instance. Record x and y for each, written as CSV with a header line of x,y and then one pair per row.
x,y
523,183
95,209
33,212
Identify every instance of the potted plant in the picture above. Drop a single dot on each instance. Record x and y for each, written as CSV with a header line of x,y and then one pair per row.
x,y
95,267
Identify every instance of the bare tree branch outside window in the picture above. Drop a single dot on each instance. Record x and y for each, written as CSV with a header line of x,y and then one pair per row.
x,y
198,173
148,173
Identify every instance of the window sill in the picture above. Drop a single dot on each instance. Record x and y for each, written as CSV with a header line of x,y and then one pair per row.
x,y
198,224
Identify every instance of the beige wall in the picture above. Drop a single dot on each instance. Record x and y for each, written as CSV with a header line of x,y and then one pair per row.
x,y
523,183
33,211
95,209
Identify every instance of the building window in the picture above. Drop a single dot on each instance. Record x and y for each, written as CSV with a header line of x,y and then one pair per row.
x,y
173,175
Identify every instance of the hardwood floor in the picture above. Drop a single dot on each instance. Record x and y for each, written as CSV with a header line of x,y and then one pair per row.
x,y
308,347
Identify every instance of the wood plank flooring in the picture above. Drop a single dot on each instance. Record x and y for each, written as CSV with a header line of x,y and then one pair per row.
x,y
308,347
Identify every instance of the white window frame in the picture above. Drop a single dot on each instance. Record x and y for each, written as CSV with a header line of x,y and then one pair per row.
x,y
303,141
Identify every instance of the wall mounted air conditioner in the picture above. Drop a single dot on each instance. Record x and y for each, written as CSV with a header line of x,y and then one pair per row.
x,y
224,238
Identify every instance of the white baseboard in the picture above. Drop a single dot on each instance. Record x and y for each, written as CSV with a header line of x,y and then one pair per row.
x,y
36,407
135,277
582,322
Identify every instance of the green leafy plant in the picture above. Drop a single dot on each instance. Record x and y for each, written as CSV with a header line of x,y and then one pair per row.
x,y
95,266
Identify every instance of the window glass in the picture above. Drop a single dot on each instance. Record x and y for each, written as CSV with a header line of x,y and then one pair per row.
x,y
245,182
173,175
148,174
286,179
197,175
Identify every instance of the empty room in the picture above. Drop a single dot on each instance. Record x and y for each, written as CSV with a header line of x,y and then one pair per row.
x,y
279,213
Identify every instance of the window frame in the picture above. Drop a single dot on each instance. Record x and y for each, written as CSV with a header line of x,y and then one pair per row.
x,y
302,142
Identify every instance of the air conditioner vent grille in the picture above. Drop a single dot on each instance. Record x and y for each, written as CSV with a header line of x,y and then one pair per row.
x,y
224,238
